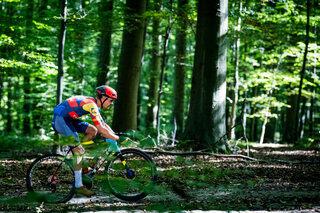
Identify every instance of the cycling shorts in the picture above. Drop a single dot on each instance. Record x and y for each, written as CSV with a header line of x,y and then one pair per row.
x,y
69,127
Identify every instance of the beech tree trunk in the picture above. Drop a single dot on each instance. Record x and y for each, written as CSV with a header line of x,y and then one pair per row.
x,y
125,110
179,73
154,70
9,123
270,131
105,15
27,105
62,38
206,119
236,77
313,90
297,136
290,121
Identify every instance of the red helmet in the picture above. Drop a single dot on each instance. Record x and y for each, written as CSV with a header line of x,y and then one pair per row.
x,y
106,91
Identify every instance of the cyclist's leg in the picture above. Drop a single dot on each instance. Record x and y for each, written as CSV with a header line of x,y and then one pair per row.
x,y
81,127
71,128
90,133
67,129
89,130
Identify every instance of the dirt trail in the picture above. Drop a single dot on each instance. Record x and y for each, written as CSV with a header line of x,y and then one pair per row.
x,y
287,180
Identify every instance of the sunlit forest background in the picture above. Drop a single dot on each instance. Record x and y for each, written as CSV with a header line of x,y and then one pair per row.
x,y
272,68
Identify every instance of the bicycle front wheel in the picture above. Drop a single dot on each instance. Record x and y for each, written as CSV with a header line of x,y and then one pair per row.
x,y
131,175
50,179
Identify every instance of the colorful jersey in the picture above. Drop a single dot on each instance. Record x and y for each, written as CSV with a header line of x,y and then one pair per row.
x,y
78,106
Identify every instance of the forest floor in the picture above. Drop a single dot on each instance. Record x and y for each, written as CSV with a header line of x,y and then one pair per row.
x,y
283,179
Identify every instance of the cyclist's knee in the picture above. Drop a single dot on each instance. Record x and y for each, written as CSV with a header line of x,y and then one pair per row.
x,y
78,150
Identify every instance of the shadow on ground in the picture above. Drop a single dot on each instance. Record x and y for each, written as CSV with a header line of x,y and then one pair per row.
x,y
286,180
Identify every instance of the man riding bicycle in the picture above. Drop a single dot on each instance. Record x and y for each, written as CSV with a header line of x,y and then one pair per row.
x,y
66,123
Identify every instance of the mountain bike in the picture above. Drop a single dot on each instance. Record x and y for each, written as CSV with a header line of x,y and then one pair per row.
x,y
129,174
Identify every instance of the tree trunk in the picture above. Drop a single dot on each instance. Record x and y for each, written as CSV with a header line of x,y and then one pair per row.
x,y
80,45
42,8
254,120
125,117
263,127
313,89
245,105
105,15
9,106
1,88
206,119
62,38
270,131
303,118
179,74
311,112
163,64
302,71
268,110
236,77
27,105
155,70
290,122
40,13
244,116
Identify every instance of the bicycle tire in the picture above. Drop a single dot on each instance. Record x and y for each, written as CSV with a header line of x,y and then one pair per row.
x,y
40,183
143,175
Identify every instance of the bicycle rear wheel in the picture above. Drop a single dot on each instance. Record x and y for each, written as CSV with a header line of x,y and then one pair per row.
x,y
134,180
50,179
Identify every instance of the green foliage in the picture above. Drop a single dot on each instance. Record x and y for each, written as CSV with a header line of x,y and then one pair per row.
x,y
6,41
14,145
309,143
272,42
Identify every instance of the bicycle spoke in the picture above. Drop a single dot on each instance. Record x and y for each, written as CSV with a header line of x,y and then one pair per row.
x,y
134,179
51,178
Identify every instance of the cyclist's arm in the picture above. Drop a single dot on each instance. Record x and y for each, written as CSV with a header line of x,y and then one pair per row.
x,y
107,132
102,127
109,128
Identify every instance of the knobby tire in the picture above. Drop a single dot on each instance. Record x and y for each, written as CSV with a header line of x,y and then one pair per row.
x,y
136,183
39,179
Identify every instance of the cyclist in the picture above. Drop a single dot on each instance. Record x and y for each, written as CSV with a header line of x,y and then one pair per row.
x,y
66,123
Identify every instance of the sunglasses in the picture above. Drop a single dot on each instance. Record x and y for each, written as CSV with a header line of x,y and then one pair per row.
x,y
108,98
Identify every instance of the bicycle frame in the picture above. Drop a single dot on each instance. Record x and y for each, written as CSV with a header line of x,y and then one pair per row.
x,y
113,148
128,167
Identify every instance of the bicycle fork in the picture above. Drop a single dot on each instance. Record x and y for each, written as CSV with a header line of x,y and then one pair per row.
x,y
129,173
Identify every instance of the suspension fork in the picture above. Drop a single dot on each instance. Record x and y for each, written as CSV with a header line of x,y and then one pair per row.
x,y
130,173
115,148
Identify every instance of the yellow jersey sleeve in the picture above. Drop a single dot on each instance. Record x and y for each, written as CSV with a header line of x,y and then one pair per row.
x,y
94,112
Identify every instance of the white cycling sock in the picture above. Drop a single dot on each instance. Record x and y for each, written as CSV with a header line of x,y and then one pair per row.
x,y
78,178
